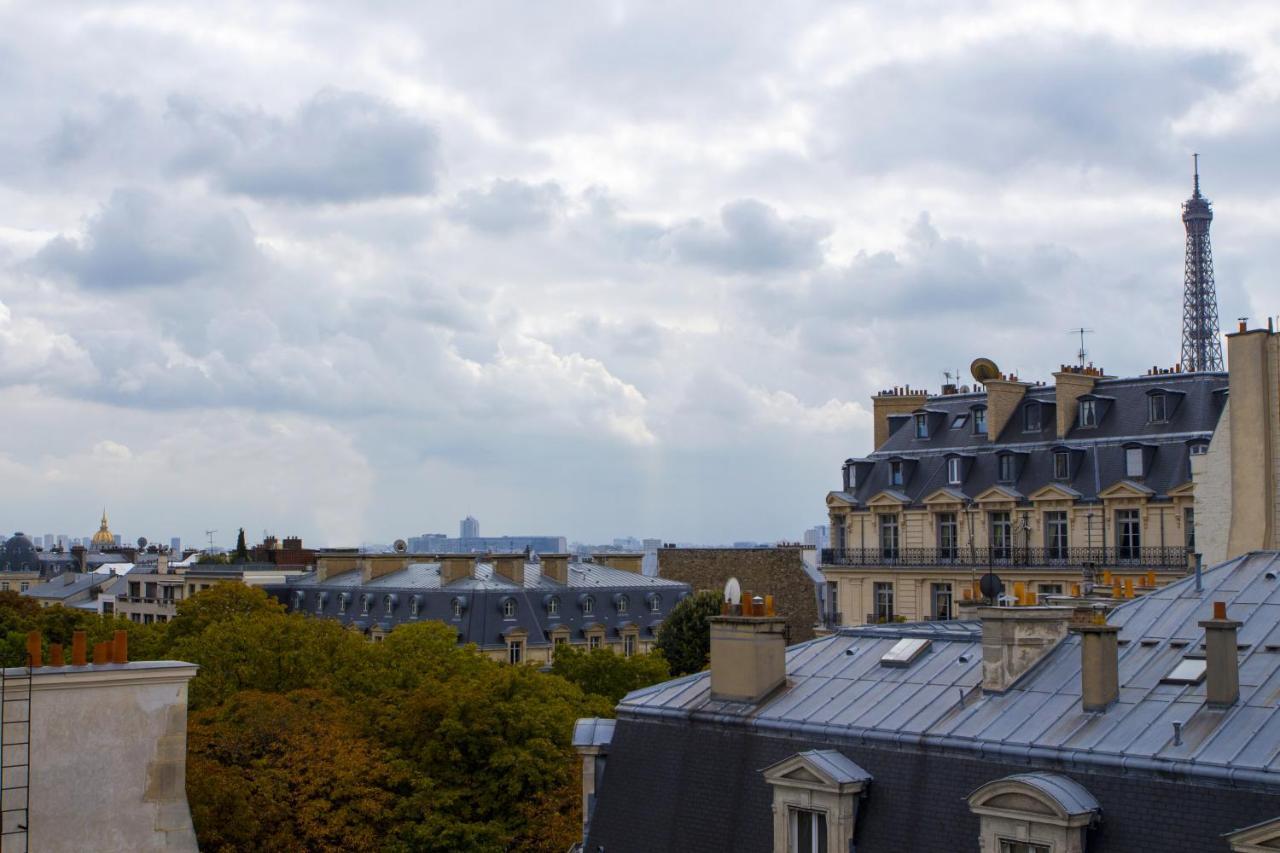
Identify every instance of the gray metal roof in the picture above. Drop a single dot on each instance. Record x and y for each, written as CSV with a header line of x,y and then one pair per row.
x,y
69,585
837,688
427,576
1067,793
839,767
592,731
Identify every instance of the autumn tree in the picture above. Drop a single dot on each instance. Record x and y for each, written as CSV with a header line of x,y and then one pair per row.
x,y
607,674
685,636
224,600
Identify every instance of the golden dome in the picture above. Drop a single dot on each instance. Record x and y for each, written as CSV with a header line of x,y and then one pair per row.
x,y
103,538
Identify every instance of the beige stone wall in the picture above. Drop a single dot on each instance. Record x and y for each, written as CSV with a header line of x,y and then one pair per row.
x,y
1069,387
1003,397
1254,361
884,405
1212,475
761,571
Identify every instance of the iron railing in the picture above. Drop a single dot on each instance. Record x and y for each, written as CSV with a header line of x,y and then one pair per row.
x,y
1160,558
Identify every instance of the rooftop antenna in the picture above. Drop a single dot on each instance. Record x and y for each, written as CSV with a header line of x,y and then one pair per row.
x,y
210,533
1082,353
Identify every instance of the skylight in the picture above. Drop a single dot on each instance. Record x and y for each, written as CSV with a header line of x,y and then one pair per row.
x,y
905,652
1188,671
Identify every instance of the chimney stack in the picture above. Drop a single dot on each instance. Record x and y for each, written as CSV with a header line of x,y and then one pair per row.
x,y
1003,397
555,567
748,653
1015,638
1222,666
1099,664
455,567
511,567
1069,387
896,401
625,562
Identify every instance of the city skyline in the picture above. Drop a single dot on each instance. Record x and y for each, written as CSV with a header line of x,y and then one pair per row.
x,y
647,285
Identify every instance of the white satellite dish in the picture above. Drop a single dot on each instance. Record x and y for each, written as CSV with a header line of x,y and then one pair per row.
x,y
733,591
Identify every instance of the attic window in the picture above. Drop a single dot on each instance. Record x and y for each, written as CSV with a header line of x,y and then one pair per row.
x,y
1008,466
1062,465
953,471
1031,418
959,421
980,420
1157,409
1133,463
922,426
1199,449
905,652
1088,414
895,473
1188,671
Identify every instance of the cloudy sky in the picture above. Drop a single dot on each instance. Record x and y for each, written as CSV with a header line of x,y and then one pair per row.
x,y
596,268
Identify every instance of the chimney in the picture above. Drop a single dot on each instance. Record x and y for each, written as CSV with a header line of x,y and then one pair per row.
x,y
373,566
1003,397
1070,386
748,653
555,567
1253,358
1099,664
455,567
625,562
1015,638
896,401
1222,666
511,567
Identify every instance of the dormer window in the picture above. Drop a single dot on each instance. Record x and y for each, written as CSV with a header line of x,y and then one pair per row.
x,y
364,604
1133,462
895,473
1031,418
1062,465
850,476
414,603
980,420
509,608
553,606
922,426
1088,413
1199,449
1008,467
959,422
588,606
953,471
623,604
1157,408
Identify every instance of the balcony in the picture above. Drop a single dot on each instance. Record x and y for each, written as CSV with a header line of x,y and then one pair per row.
x,y
1170,559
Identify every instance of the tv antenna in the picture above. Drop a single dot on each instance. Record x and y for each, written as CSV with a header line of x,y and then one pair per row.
x,y
210,533
1082,353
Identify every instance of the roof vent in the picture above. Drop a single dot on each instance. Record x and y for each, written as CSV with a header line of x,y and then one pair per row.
x,y
905,652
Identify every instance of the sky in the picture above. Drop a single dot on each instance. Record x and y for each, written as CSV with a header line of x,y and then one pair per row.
x,y
352,271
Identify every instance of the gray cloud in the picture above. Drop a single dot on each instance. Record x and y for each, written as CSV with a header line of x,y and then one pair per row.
x,y
139,239
751,237
338,147
508,206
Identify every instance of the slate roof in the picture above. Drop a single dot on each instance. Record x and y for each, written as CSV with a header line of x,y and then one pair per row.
x,y
1195,403
426,576
838,690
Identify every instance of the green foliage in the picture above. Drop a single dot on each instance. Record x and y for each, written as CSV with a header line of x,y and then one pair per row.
x,y
685,636
606,674
20,615
221,602
213,559
242,549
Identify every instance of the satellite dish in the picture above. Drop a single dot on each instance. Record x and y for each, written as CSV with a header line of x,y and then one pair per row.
x,y
991,586
142,541
401,546
733,591
984,370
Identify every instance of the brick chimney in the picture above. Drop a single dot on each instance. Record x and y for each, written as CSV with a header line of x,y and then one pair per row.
x,y
1015,638
555,567
748,652
1003,397
626,562
374,566
1099,664
455,567
895,401
511,567
1222,665
1072,383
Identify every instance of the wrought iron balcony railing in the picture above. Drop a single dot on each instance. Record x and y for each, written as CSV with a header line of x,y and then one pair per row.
x,y
1158,558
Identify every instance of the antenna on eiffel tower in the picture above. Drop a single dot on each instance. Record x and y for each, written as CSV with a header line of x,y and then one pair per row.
x,y
1201,342
1082,353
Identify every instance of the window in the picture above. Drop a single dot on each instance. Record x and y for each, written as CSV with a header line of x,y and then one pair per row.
x,y
655,603
941,595
959,422
953,471
364,604
455,608
1055,535
560,640
1001,536
1031,417
1157,408
922,426
889,536
884,601
553,606
628,645
1199,449
1088,413
1189,527
851,476
1035,812
623,604
1046,589
980,421
1128,534
948,536
343,599
320,599
509,608
414,604
895,473
515,651
593,642
4,586
1062,465
1007,846
1133,462
588,606
808,831
1008,466
388,604
299,600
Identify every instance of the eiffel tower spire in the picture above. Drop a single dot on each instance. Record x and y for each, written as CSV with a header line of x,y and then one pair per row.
x,y
1201,344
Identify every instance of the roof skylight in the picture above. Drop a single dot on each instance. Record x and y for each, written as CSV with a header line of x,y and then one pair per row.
x,y
1188,671
905,652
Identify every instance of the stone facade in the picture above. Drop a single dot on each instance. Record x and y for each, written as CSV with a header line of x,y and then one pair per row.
x,y
761,571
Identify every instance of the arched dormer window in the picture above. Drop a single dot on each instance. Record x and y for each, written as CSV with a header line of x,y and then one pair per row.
x,y
365,601
1038,810
622,603
415,603
588,605
509,608
655,603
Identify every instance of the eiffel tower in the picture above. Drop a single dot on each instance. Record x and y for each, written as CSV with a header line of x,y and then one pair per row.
x,y
1201,344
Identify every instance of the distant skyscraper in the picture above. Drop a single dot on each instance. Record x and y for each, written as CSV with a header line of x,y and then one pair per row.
x,y
1201,345
817,537
469,528
49,541
117,539
175,545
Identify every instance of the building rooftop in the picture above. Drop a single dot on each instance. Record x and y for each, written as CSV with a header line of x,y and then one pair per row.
x,y
838,688
426,576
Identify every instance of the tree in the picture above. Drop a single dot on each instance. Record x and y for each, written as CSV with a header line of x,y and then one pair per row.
x,y
685,636
607,674
242,550
224,600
